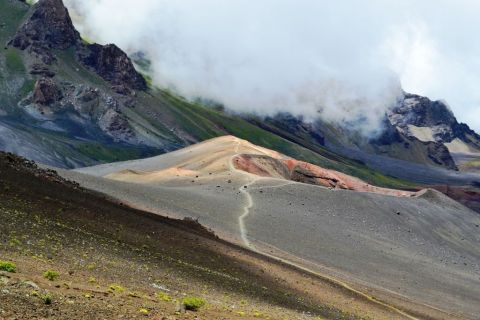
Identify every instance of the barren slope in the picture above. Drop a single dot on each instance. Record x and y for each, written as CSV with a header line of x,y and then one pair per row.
x,y
412,250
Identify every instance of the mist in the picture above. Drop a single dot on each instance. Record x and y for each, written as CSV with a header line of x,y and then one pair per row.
x,y
345,61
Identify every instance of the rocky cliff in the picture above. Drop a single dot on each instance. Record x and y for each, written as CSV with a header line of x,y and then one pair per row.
x,y
49,27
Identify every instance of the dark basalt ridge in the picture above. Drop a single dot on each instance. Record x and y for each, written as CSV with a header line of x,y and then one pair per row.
x,y
49,27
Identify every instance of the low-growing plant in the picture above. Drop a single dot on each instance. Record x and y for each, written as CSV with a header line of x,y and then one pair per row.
x,y
51,275
8,266
164,297
47,299
116,288
193,303
143,311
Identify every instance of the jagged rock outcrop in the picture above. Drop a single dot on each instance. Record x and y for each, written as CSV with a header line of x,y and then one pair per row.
x,y
48,27
46,92
439,154
113,65
414,111
39,69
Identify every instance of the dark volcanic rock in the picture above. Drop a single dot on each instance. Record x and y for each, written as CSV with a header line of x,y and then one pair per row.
x,y
439,154
48,27
41,70
422,112
46,92
113,65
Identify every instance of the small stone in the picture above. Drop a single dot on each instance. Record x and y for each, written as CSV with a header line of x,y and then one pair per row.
x,y
31,284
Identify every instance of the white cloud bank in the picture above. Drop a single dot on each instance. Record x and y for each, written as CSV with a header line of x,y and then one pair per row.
x,y
340,57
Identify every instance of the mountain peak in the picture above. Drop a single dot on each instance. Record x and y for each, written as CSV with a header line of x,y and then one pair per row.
x,y
113,65
48,27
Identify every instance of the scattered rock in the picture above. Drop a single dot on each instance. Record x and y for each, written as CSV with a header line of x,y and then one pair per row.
x,y
31,284
46,92
41,70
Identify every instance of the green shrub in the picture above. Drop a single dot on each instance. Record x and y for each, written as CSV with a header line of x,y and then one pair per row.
x,y
8,266
47,299
51,275
164,297
116,288
143,311
193,303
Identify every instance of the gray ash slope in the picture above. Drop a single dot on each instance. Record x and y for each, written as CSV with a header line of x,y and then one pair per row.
x,y
425,248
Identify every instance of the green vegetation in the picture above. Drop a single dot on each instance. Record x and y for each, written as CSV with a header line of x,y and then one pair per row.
x,y
27,87
51,275
47,299
162,296
143,311
99,152
193,303
8,266
116,288
14,61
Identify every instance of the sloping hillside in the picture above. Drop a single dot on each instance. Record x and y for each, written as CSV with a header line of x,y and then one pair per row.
x,y
333,224
105,260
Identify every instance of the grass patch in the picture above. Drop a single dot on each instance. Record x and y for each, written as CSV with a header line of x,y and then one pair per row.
x,y
14,61
162,296
102,153
27,87
8,266
51,275
193,303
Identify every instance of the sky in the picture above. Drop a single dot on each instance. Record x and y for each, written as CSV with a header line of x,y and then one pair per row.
x,y
344,60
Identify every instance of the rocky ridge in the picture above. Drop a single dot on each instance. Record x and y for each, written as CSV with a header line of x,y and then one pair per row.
x,y
421,112
49,27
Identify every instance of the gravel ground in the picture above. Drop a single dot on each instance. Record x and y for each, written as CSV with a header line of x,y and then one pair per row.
x,y
425,249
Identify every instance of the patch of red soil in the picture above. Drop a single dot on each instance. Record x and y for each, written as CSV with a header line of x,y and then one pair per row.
x,y
305,172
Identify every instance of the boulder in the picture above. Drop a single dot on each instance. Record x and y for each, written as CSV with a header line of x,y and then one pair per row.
x,y
46,92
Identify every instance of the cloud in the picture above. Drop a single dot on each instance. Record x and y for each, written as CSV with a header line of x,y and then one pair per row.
x,y
342,58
